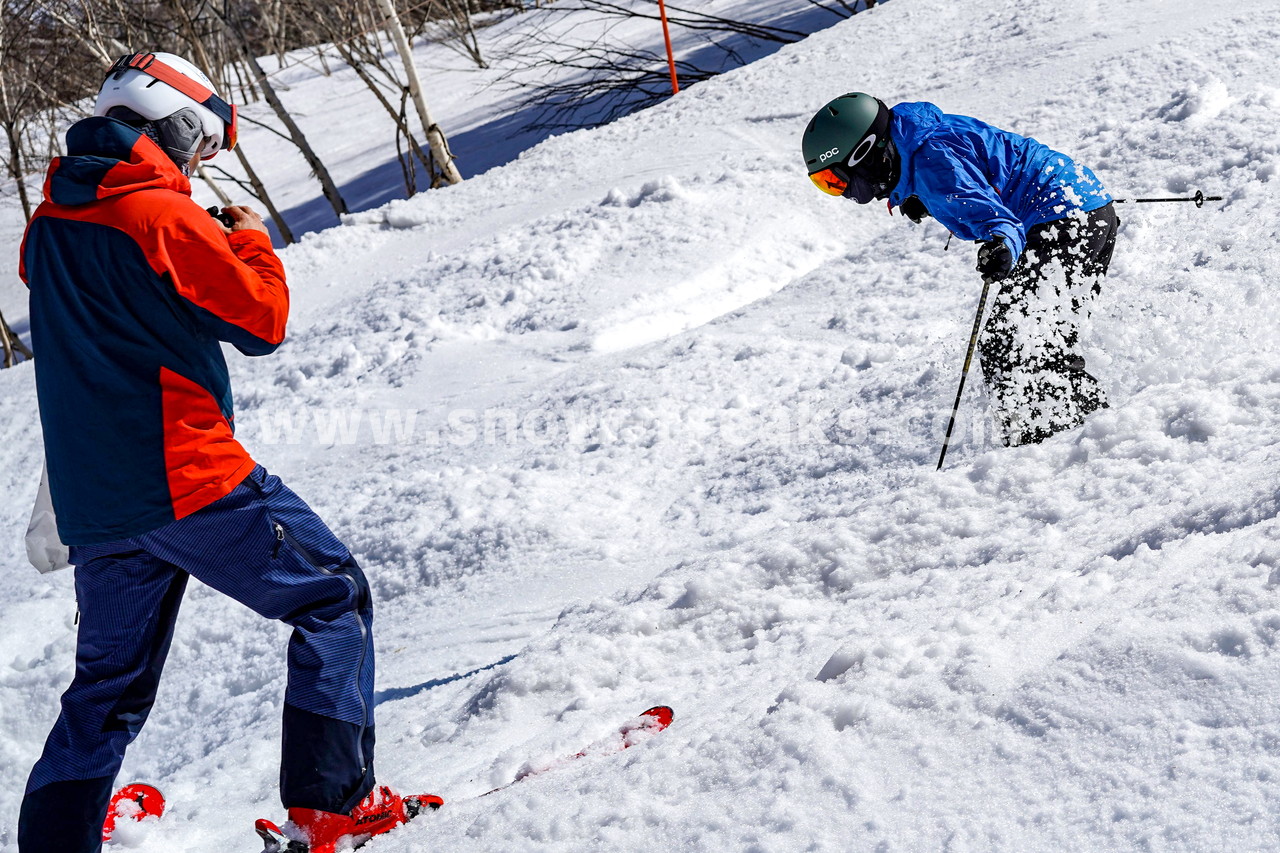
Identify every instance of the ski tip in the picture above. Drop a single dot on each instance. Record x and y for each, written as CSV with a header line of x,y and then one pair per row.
x,y
262,825
661,714
137,801
416,804
272,836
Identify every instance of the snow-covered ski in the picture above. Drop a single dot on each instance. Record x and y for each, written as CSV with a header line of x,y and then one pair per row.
x,y
633,731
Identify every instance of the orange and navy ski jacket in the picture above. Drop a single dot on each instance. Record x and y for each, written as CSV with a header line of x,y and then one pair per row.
x,y
133,285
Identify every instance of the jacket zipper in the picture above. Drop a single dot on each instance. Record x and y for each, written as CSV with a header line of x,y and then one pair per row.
x,y
283,536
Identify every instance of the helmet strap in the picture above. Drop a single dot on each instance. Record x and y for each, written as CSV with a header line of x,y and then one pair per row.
x,y
893,165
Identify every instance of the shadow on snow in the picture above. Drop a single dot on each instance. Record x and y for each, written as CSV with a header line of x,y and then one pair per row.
x,y
395,693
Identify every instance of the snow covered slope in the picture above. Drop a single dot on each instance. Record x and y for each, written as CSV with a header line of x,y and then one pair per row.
x,y
667,420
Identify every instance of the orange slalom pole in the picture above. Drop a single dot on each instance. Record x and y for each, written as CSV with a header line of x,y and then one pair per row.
x,y
671,58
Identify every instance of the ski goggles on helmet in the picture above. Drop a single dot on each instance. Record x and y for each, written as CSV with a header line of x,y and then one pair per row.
x,y
193,89
846,178
851,184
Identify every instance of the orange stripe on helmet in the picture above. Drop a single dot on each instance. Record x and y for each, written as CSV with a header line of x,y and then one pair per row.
x,y
148,64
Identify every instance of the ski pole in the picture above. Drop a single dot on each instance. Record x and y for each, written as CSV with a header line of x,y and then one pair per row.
x,y
968,359
1199,199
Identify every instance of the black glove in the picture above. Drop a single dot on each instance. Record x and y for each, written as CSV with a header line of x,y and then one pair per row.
x,y
995,260
914,209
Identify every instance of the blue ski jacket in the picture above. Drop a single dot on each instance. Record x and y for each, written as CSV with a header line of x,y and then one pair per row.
x,y
980,181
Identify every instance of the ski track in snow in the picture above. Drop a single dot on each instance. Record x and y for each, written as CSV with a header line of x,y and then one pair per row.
x,y
674,420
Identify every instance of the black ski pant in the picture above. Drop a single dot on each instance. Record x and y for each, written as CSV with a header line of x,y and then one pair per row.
x,y
1030,347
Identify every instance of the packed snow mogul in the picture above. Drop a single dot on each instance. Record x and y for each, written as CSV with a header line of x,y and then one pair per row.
x,y
133,286
1046,225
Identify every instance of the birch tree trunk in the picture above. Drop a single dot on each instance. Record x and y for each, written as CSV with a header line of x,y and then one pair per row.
x,y
263,82
217,190
356,65
11,343
435,136
327,185
13,117
13,133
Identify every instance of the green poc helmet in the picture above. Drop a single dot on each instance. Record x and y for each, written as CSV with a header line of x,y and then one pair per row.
x,y
848,148
836,130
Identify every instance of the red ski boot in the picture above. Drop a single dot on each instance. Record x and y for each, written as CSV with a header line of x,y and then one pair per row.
x,y
312,831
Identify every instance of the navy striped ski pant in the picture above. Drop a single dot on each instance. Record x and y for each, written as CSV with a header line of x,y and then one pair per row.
x,y
264,547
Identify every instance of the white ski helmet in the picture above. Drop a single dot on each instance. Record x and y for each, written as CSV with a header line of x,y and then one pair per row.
x,y
175,98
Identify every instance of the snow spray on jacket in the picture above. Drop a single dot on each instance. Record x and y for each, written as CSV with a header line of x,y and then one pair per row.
x,y
133,285
980,181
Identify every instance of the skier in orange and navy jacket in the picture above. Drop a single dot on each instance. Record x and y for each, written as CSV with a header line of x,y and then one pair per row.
x,y
133,287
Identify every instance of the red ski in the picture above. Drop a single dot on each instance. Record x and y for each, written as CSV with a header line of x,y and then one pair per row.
x,y
132,802
383,810
632,732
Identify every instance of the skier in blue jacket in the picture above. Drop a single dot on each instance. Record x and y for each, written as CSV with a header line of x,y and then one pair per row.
x,y
1045,224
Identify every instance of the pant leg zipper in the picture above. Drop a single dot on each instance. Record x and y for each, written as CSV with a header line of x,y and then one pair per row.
x,y
283,536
